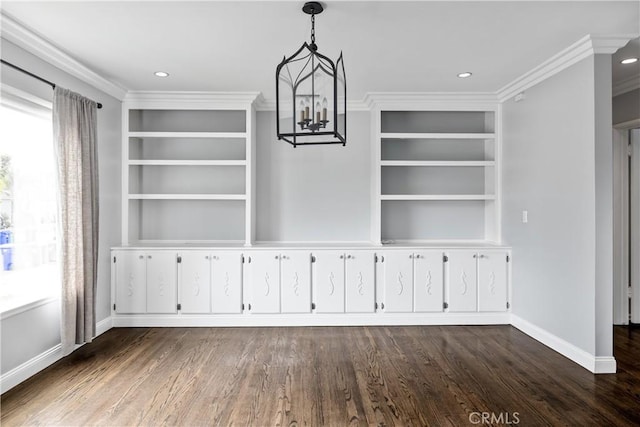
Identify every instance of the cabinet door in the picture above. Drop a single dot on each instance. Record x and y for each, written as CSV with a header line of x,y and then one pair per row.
x,y
264,282
328,282
195,282
398,281
360,282
161,282
295,282
131,280
492,281
226,282
428,281
461,284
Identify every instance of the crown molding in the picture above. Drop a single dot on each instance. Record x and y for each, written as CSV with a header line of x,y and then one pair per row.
x,y
583,48
19,35
626,85
441,100
201,98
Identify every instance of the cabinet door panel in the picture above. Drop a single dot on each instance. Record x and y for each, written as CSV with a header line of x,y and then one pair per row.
x,y
161,282
328,282
360,282
195,282
264,282
461,286
226,282
428,280
398,281
492,281
295,282
131,279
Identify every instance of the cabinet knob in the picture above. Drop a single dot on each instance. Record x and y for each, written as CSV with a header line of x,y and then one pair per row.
x,y
349,257
149,256
411,256
483,256
417,256
341,256
277,257
475,255
141,257
206,257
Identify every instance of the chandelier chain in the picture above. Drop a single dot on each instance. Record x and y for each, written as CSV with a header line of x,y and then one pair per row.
x,y
313,28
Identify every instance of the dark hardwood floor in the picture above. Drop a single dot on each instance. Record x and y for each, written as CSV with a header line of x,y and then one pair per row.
x,y
439,376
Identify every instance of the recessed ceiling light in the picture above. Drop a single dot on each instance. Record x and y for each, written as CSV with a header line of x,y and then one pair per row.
x,y
161,74
629,60
464,75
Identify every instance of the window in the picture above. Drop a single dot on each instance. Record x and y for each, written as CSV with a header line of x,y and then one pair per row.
x,y
28,202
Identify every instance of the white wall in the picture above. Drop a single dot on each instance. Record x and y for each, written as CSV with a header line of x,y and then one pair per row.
x,y
20,342
549,170
315,193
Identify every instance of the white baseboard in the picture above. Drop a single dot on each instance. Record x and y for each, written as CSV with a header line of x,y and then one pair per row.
x,y
43,360
30,368
315,319
103,326
597,365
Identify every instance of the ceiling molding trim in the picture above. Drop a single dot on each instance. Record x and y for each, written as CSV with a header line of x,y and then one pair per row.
x,y
583,48
452,100
439,100
198,99
626,85
18,34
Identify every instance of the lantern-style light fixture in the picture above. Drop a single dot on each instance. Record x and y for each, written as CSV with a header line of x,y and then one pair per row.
x,y
311,94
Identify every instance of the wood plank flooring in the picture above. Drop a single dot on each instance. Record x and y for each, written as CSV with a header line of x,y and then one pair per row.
x,y
329,376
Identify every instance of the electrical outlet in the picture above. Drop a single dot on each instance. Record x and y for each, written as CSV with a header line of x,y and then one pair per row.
x,y
525,217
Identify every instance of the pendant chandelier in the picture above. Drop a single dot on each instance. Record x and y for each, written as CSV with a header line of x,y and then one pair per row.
x,y
311,94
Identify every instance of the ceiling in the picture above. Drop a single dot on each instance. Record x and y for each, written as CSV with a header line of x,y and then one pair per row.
x,y
412,46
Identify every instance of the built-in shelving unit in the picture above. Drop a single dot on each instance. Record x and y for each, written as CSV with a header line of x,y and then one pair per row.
x,y
188,175
436,173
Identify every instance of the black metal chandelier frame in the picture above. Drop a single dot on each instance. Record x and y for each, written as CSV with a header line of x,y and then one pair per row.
x,y
305,125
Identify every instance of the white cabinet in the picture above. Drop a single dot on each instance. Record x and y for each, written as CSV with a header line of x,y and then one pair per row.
x,y
295,281
130,282
226,282
461,281
398,281
360,282
210,282
344,281
195,282
492,281
279,282
145,282
413,281
477,281
263,284
428,279
328,281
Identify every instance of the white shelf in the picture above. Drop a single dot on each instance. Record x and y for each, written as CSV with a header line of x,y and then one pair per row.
x,y
187,134
409,197
187,197
462,163
187,162
417,135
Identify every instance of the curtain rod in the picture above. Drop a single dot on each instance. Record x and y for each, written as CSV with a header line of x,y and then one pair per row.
x,y
22,70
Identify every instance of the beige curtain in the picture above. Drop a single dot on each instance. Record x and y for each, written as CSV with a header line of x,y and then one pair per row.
x,y
75,140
